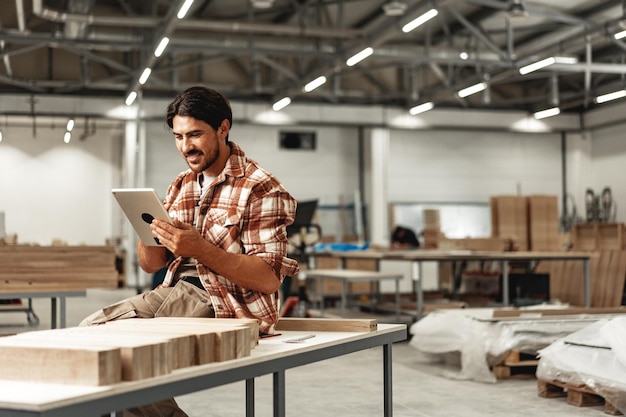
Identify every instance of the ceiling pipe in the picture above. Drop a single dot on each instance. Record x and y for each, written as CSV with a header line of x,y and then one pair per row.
x,y
203,25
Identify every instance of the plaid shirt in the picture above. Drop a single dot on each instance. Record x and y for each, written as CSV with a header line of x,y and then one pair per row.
x,y
246,210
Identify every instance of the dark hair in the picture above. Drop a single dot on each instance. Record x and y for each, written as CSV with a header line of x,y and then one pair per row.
x,y
200,103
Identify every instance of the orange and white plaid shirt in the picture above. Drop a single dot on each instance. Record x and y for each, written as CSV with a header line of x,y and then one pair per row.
x,y
245,210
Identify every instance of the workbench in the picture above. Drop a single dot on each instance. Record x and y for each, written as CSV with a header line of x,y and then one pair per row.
x,y
417,256
57,295
348,276
271,356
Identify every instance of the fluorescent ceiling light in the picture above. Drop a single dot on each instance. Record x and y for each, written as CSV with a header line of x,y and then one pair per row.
x,y
610,96
620,35
0,136
547,62
394,8
161,47
262,4
476,88
144,76
281,104
355,59
131,98
464,55
67,137
314,84
70,125
424,107
184,9
547,113
415,23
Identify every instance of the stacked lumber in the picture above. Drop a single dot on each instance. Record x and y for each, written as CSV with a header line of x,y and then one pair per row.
x,y
124,350
607,270
51,268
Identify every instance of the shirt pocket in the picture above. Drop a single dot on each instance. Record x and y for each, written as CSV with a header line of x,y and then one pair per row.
x,y
221,226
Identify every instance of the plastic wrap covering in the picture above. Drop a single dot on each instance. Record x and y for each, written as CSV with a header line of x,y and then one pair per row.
x,y
594,356
483,341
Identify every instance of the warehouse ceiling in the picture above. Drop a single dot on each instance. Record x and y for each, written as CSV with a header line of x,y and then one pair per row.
x,y
263,50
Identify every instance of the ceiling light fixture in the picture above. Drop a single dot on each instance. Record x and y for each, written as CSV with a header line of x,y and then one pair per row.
x,y
262,4
476,88
620,35
70,125
67,137
535,66
464,55
360,56
417,22
394,8
182,12
421,108
547,113
610,96
516,10
0,135
161,47
314,84
145,75
131,98
281,104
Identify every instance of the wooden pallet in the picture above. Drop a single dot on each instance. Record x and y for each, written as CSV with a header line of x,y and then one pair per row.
x,y
579,395
518,364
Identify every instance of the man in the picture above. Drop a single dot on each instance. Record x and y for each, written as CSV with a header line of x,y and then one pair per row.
x,y
403,237
226,254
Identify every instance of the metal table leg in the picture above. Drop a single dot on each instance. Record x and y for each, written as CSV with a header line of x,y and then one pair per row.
x,y
587,283
279,394
53,312
250,397
505,282
387,381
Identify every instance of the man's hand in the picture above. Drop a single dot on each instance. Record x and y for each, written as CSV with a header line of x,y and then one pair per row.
x,y
181,239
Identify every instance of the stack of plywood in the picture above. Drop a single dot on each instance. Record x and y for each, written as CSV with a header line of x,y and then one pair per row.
x,y
531,222
604,242
543,221
124,350
509,219
607,271
52,268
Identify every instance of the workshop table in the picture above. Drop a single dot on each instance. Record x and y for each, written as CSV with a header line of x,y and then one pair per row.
x,y
54,296
271,356
347,276
417,256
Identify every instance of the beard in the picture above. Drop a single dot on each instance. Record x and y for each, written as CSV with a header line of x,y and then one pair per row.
x,y
205,159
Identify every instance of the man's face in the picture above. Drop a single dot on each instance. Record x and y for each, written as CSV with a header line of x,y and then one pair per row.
x,y
197,142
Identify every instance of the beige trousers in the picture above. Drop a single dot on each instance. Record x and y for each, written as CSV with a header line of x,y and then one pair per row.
x,y
182,300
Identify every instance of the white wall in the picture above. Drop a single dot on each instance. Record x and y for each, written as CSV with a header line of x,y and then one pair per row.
x,y
52,190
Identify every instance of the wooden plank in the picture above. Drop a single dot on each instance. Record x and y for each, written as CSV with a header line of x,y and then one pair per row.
x,y
59,363
327,325
515,312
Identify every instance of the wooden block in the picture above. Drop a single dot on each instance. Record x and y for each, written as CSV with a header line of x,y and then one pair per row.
x,y
184,343
59,363
327,325
141,356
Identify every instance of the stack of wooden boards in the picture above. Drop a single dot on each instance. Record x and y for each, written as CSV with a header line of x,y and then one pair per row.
x,y
607,267
26,268
124,350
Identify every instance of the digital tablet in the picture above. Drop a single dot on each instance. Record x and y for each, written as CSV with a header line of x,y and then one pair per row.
x,y
141,206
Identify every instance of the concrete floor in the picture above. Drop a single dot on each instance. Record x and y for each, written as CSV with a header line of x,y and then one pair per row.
x,y
347,386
